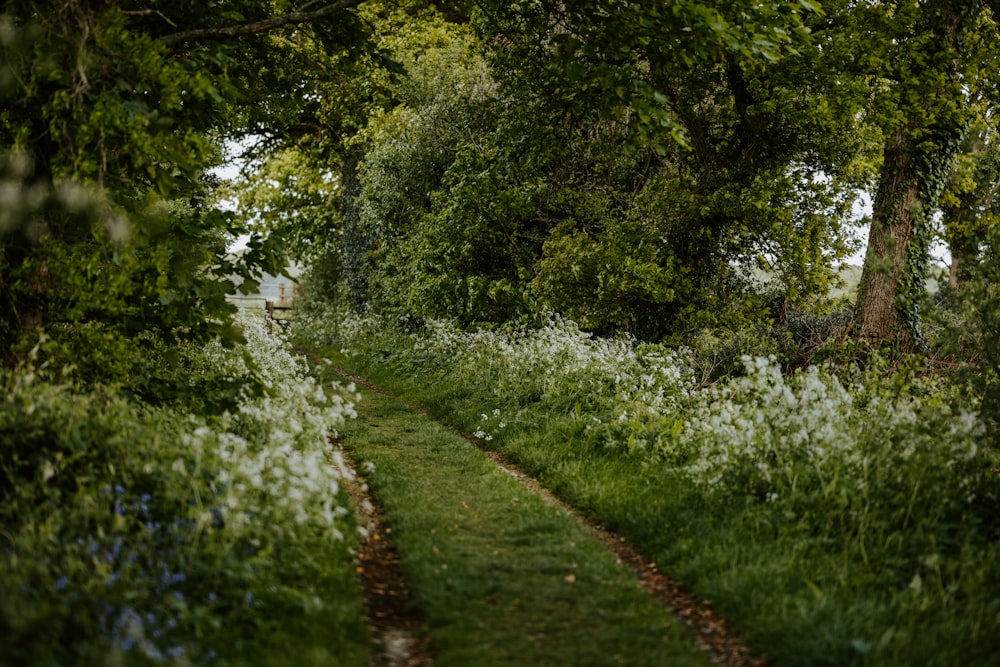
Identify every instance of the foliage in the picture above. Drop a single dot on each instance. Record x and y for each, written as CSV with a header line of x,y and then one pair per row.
x,y
608,279
980,335
484,201
968,203
146,534
288,196
595,168
592,53
167,496
836,517
414,254
112,115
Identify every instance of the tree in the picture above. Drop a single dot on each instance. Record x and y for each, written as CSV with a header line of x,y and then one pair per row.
x,y
417,261
925,110
113,112
749,142
607,177
291,196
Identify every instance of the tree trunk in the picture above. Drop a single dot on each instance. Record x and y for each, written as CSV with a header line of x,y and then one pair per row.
x,y
917,157
896,219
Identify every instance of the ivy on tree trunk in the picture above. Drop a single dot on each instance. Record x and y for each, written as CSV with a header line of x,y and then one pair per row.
x,y
917,159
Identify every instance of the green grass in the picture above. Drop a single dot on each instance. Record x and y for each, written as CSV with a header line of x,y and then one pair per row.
x,y
793,592
324,626
504,578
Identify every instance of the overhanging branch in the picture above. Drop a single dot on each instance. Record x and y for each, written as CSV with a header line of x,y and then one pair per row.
x,y
149,12
240,29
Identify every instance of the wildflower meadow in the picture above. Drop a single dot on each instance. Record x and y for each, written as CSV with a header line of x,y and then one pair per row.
x,y
839,515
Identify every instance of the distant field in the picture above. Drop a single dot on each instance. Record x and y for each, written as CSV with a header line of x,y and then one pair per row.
x,y
851,275
272,288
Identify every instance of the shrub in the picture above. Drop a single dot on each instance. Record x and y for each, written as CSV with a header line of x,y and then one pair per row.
x,y
139,533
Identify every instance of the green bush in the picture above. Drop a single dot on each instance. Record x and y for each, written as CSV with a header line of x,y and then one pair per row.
x,y
133,533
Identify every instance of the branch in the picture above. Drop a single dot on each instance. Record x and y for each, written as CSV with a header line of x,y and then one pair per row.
x,y
292,18
148,12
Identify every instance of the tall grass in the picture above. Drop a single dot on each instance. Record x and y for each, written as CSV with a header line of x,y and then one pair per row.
x,y
839,517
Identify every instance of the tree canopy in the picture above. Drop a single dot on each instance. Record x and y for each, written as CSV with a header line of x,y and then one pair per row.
x,y
113,115
639,167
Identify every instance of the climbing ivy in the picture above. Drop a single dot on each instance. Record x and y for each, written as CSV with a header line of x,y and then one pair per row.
x,y
925,112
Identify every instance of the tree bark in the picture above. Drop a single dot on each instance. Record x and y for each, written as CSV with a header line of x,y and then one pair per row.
x,y
895,220
916,162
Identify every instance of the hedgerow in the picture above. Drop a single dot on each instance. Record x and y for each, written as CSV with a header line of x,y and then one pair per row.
x,y
134,533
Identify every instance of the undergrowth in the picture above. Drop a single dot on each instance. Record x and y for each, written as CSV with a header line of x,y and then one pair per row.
x,y
844,516
137,534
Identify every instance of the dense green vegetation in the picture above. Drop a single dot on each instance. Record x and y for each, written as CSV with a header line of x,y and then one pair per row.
x,y
140,534
835,520
165,485
619,224
664,172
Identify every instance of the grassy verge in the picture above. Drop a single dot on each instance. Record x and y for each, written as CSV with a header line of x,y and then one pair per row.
x,y
136,533
505,579
897,569
307,612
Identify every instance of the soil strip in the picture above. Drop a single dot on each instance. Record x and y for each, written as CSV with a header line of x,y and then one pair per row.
x,y
394,621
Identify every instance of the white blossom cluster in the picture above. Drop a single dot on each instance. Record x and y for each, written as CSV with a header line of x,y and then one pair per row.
x,y
764,416
559,362
272,455
776,430
766,432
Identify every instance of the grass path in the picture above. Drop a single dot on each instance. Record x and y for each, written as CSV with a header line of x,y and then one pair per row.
x,y
501,576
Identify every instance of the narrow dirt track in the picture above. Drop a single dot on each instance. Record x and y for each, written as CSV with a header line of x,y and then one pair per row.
x,y
394,621
711,630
